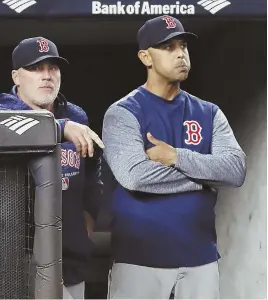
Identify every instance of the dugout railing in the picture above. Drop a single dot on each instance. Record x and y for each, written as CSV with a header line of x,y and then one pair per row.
x,y
30,206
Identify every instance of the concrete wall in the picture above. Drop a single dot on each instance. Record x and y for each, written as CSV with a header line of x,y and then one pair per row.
x,y
234,69
241,214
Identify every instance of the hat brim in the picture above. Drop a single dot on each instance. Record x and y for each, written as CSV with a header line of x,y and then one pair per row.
x,y
188,36
61,60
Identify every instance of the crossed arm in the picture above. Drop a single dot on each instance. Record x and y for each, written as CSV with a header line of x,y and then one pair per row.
x,y
138,170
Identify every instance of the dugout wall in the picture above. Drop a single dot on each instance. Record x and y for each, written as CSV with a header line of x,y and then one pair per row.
x,y
30,206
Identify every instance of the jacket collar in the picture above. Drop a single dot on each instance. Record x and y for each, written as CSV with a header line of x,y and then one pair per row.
x,y
60,103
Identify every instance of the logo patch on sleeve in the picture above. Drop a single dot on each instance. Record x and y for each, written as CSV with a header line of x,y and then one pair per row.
x,y
65,183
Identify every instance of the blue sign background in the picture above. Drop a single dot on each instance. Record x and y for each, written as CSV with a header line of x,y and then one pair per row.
x,y
68,8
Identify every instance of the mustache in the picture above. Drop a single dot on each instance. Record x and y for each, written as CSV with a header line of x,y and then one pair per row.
x,y
47,85
182,64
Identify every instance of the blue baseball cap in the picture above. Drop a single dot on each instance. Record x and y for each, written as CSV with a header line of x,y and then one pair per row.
x,y
34,50
161,29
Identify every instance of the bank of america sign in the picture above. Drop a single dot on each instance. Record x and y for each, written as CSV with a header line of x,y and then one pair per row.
x,y
19,5
213,6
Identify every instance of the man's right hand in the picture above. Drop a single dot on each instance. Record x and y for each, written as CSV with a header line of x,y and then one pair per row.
x,y
82,137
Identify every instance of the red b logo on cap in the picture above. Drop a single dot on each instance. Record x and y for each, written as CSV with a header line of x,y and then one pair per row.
x,y
170,22
43,44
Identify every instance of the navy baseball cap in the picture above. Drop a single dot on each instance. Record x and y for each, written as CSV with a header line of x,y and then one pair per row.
x,y
159,30
33,50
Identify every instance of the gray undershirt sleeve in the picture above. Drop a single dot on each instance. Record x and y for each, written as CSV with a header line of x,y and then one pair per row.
x,y
225,166
125,154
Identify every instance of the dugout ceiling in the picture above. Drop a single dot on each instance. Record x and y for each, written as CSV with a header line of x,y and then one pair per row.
x,y
84,31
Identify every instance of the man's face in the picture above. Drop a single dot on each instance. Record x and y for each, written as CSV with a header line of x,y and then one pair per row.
x,y
170,60
38,85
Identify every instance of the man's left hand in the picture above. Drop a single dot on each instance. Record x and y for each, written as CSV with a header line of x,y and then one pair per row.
x,y
161,152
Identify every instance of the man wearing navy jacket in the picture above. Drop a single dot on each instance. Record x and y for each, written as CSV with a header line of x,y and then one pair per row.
x,y
37,77
169,152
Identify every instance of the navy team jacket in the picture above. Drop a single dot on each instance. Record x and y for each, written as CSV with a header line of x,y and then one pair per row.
x,y
166,230
81,189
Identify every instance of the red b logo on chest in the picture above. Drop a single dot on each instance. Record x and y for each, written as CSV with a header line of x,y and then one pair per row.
x,y
43,46
193,132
